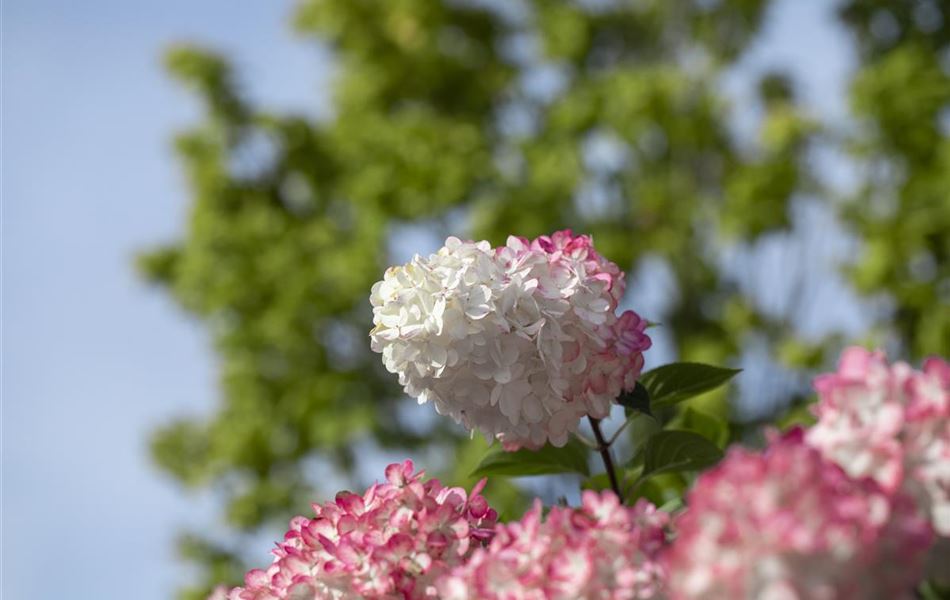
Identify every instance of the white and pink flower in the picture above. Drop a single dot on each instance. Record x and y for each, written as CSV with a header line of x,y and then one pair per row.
x,y
787,524
518,342
393,541
890,423
602,550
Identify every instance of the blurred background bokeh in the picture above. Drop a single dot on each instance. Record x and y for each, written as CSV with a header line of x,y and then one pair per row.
x,y
197,197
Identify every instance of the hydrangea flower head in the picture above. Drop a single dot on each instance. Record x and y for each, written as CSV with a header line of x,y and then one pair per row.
x,y
393,541
602,550
519,342
890,423
787,524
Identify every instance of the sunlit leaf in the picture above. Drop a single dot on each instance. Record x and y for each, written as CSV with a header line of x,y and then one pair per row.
x,y
676,382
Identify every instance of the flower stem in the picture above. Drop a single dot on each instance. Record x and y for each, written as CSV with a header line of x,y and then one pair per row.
x,y
604,448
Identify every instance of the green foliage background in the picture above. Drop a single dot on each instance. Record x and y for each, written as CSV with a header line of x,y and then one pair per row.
x,y
439,119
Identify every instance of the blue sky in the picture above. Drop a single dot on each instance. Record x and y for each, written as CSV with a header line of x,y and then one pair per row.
x,y
93,359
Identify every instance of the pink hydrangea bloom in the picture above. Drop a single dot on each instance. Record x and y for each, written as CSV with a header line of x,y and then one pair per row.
x,y
602,550
391,542
891,423
518,342
786,524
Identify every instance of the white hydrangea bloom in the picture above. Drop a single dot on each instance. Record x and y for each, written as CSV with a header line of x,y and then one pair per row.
x,y
518,342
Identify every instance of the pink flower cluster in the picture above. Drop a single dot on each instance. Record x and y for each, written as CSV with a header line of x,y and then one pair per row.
x,y
890,423
574,264
787,524
391,542
845,510
602,550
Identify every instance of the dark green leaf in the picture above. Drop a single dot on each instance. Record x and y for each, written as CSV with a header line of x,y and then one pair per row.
x,y
709,426
675,382
674,451
932,590
636,399
572,458
641,429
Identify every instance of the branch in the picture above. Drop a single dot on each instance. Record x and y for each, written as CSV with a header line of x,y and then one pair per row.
x,y
604,448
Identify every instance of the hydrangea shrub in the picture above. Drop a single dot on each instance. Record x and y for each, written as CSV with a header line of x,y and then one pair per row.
x,y
890,423
393,541
786,523
601,549
522,342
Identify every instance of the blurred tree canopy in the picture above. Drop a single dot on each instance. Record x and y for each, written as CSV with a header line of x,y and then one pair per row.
x,y
484,119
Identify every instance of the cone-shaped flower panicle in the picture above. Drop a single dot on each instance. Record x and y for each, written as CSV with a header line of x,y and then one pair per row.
x,y
602,550
788,524
393,541
890,423
518,342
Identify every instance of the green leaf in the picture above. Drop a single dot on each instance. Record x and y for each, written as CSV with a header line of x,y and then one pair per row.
x,y
572,458
799,414
672,506
642,427
675,382
636,399
932,590
709,426
598,482
675,451
659,490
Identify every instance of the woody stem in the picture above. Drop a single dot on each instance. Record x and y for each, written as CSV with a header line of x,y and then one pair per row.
x,y
604,448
